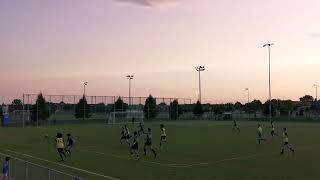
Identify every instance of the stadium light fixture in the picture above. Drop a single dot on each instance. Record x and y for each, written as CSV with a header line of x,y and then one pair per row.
x,y
84,96
199,69
269,54
130,77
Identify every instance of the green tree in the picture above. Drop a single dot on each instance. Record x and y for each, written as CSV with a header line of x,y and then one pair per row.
x,y
198,110
40,110
119,105
82,109
175,110
266,110
150,108
16,105
307,98
238,106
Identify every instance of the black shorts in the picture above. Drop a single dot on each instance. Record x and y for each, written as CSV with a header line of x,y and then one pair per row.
x,y
285,143
123,137
259,135
135,146
163,137
148,143
272,131
60,150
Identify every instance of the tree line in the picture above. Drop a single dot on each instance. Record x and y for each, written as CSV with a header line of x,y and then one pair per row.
x,y
42,109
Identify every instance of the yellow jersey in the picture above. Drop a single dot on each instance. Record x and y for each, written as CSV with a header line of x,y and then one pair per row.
x,y
59,142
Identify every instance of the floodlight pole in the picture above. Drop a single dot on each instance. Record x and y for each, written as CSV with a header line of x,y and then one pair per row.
x,y
248,94
269,53
130,77
199,69
316,86
84,97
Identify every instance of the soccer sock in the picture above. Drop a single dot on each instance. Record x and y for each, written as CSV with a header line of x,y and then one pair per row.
x,y
145,150
154,152
61,156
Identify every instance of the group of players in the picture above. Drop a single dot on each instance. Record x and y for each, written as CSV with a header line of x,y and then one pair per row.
x,y
134,145
60,145
285,137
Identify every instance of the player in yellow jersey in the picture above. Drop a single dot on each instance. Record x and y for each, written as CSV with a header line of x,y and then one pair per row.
x,y
163,137
285,140
259,130
60,146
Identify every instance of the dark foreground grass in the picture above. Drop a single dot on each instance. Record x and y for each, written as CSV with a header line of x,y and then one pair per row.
x,y
196,151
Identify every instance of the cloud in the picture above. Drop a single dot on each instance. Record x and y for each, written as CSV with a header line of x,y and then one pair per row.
x,y
152,3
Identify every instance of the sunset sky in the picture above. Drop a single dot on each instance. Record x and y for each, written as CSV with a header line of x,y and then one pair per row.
x,y
53,45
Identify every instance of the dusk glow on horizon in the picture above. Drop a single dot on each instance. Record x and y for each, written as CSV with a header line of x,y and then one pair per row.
x,y
54,46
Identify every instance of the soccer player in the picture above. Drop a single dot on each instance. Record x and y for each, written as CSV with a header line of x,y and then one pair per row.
x,y
127,131
5,168
60,146
236,126
272,132
148,143
134,150
124,135
285,140
141,128
260,134
163,137
70,143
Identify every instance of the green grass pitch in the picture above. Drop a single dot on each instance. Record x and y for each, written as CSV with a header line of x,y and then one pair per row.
x,y
202,150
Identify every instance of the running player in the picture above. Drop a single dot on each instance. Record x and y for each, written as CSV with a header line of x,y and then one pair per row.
x,y
5,168
163,137
127,131
134,150
236,126
141,128
124,135
260,134
148,143
60,146
285,140
272,132
70,143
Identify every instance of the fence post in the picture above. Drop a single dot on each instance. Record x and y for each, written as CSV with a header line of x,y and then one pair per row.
x,y
49,174
27,170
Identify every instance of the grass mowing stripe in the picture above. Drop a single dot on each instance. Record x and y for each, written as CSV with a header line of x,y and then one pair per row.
x,y
63,165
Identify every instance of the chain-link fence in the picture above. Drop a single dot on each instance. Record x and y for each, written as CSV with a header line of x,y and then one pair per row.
x,y
24,170
64,108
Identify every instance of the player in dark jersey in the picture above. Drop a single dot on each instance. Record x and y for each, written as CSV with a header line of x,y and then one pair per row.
x,y
148,143
134,150
5,169
141,128
272,132
236,126
124,136
127,132
70,143
163,137
285,140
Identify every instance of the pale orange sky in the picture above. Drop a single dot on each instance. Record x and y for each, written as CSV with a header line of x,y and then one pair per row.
x,y
52,46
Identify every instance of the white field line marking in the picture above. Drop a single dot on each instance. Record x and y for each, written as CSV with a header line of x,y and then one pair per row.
x,y
127,158
63,165
198,164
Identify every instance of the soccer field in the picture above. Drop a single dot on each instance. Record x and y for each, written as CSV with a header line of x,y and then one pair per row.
x,y
196,151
